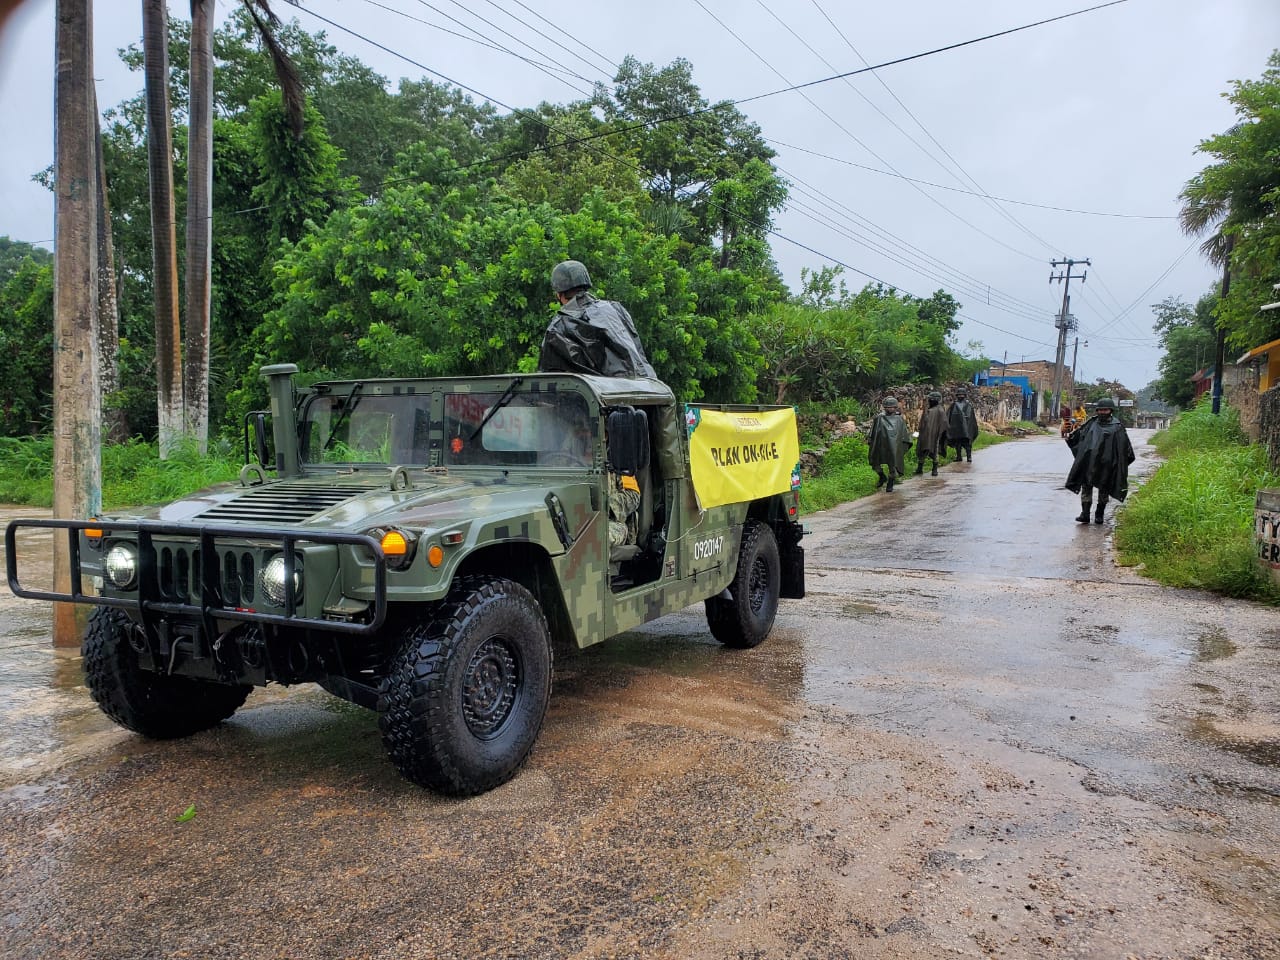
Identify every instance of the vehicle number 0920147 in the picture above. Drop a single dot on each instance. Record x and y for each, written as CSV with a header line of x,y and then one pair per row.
x,y
708,548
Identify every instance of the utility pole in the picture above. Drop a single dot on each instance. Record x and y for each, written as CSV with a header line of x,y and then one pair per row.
x,y
1220,346
1075,377
1065,323
77,451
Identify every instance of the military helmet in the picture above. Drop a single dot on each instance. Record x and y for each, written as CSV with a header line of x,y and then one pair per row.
x,y
1107,402
961,393
935,396
569,275
888,402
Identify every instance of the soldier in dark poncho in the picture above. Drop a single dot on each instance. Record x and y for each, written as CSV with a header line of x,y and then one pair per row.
x,y
887,443
1103,454
932,442
588,335
962,425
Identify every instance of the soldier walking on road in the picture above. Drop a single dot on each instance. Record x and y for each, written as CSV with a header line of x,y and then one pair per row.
x,y
1103,454
962,425
588,335
932,442
887,443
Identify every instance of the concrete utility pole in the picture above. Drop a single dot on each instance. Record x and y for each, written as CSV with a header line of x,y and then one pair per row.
x,y
77,451
1065,323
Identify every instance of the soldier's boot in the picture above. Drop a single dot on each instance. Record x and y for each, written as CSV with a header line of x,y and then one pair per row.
x,y
889,487
1084,512
919,467
1097,516
934,471
968,454
880,480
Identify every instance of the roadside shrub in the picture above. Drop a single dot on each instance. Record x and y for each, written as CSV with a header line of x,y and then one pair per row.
x,y
1199,429
1191,524
132,472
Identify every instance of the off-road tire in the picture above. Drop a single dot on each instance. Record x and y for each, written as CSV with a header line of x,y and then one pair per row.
x,y
155,705
746,619
467,691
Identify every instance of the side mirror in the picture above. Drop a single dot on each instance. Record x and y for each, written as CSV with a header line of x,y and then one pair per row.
x,y
628,435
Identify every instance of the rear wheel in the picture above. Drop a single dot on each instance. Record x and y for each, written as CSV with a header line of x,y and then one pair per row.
x,y
155,705
468,690
745,618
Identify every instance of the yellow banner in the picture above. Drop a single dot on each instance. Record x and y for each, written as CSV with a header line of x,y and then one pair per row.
x,y
738,456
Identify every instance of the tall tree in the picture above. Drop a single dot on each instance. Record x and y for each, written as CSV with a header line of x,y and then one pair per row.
x,y
195,372
1238,198
77,480
164,247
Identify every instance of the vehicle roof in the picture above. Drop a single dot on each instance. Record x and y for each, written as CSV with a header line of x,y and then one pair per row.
x,y
610,390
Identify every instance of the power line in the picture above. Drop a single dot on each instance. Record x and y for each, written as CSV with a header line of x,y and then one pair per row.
x,y
971,193
845,130
999,210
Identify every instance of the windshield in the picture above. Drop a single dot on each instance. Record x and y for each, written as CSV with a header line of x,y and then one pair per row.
x,y
543,429
532,429
373,429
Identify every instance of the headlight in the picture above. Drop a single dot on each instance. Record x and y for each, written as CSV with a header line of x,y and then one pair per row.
x,y
121,566
271,580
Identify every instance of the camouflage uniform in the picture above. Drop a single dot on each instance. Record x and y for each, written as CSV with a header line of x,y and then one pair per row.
x,y
624,501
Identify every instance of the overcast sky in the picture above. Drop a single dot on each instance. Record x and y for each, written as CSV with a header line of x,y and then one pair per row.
x,y
1101,112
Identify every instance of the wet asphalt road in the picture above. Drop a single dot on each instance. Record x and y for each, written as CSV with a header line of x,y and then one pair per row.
x,y
976,737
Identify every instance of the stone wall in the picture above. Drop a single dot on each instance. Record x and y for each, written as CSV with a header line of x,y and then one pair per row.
x,y
996,406
1269,424
1244,397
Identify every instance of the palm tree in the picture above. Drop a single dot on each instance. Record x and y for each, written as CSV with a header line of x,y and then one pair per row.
x,y
1207,205
164,252
200,193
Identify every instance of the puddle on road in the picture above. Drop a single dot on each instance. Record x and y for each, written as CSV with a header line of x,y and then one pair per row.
x,y
1257,742
1214,645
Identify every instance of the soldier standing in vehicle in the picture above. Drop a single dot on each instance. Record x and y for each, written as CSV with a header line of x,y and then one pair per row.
x,y
932,441
887,444
1103,454
962,425
588,335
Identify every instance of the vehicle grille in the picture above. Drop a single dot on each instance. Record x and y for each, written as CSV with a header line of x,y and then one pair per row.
x,y
285,503
178,572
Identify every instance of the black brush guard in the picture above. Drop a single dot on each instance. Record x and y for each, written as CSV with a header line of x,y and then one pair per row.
x,y
151,605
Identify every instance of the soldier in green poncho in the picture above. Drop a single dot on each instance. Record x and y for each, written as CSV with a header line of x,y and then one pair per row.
x,y
887,443
932,442
1103,454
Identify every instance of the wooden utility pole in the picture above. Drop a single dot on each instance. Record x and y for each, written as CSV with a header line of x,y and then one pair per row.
x,y
1065,323
77,451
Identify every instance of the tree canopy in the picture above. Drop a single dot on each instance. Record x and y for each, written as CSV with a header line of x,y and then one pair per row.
x,y
1238,198
407,229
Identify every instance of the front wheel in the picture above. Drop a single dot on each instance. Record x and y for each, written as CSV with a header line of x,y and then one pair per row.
x,y
156,705
466,694
745,618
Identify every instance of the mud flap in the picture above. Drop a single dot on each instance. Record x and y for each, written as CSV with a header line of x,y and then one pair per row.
x,y
792,573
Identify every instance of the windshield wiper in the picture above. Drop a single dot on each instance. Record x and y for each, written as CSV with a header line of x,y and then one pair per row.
x,y
502,402
348,405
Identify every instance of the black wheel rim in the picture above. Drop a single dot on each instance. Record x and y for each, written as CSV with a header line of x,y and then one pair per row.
x,y
489,688
758,588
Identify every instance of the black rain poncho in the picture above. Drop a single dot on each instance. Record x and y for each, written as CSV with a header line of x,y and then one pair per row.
x,y
933,432
1103,454
594,336
888,441
962,422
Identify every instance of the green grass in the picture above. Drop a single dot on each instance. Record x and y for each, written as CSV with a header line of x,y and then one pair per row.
x,y
1191,524
132,472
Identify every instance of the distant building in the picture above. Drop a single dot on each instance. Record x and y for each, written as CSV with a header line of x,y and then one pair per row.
x,y
1232,375
1035,377
1263,365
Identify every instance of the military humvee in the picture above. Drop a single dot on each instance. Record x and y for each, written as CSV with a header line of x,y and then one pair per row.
x,y
414,546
